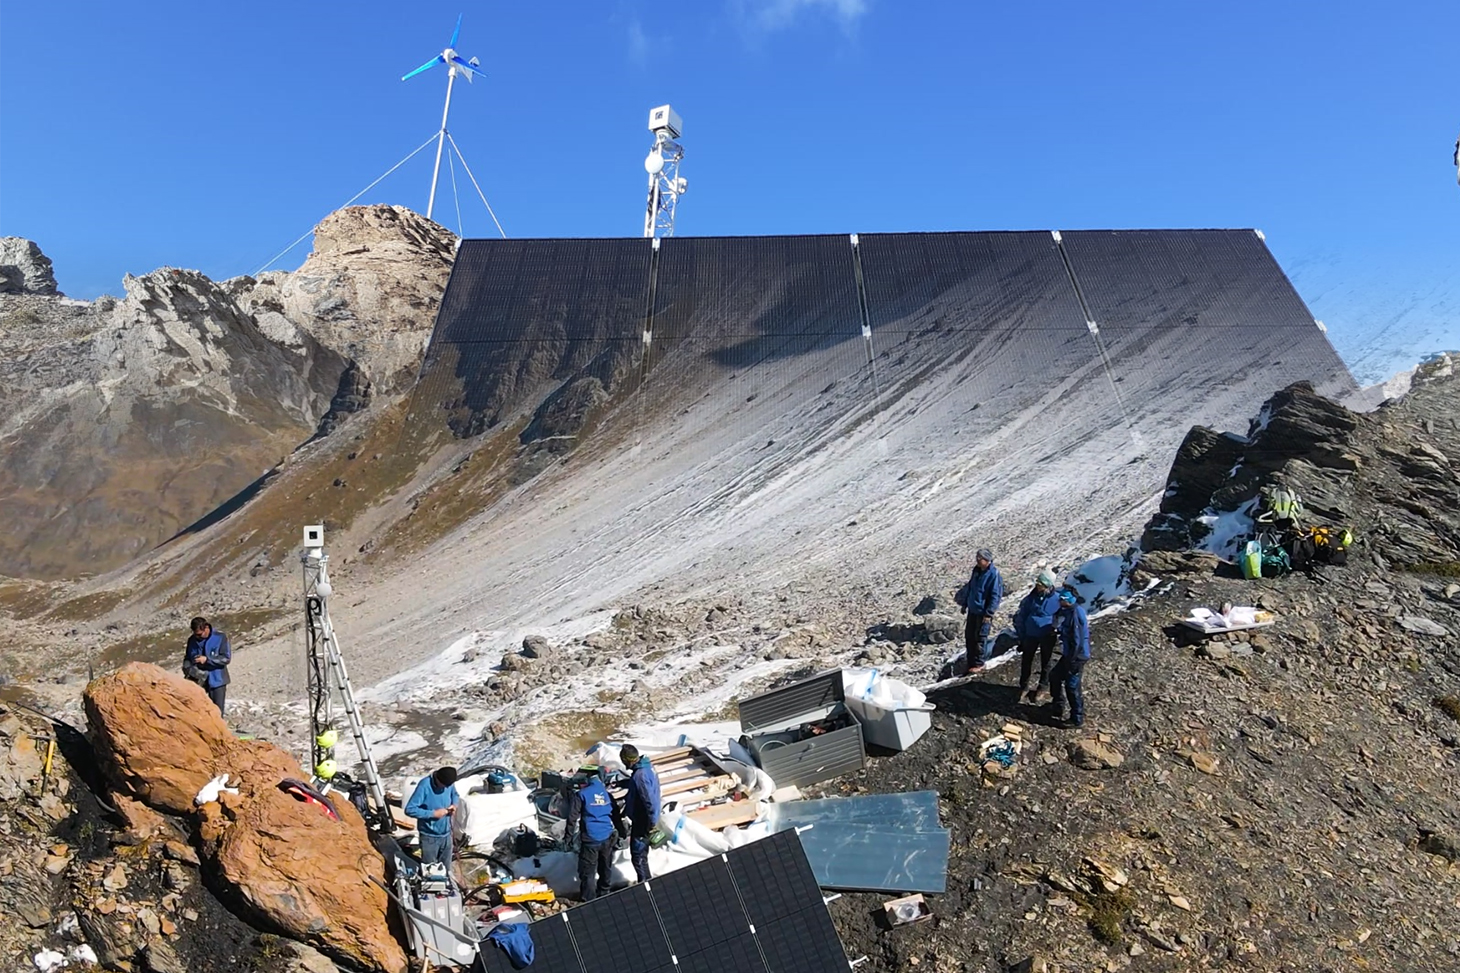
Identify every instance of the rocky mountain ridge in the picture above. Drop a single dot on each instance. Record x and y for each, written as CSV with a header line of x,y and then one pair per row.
x,y
124,421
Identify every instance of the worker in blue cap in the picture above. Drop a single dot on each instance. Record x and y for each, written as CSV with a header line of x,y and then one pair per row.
x,y
596,821
1074,631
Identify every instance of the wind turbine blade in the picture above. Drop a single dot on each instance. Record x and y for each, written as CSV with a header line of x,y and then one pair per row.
x,y
455,33
467,68
438,59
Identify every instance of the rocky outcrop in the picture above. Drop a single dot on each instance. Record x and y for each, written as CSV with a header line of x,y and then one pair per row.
x,y
312,877
125,421
1392,475
1299,439
24,269
369,290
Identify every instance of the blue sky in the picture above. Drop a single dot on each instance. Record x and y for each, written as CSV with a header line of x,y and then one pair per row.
x,y
211,135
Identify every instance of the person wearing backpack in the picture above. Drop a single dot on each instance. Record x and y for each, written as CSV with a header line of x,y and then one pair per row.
x,y
980,599
206,659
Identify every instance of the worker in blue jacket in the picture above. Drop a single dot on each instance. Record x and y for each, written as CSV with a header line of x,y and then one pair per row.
x,y
1074,630
206,660
644,803
597,821
1034,625
980,599
433,804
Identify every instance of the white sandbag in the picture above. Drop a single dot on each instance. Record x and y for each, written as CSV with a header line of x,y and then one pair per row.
x,y
873,686
490,818
606,755
740,837
688,836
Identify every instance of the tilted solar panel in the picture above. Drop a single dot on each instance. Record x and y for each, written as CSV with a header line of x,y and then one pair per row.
x,y
695,919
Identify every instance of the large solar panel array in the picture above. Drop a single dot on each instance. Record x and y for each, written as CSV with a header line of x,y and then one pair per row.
x,y
1011,311
755,910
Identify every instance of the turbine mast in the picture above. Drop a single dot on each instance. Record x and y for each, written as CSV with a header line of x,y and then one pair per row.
x,y
440,142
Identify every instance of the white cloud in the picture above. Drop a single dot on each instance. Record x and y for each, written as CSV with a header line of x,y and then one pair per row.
x,y
776,14
639,44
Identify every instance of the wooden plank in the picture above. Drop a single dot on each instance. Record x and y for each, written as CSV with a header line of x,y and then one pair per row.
x,y
669,768
680,787
655,759
402,819
697,770
718,816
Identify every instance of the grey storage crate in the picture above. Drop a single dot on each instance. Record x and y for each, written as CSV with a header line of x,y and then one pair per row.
x,y
770,719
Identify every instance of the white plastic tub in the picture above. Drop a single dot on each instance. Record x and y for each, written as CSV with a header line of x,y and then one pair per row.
x,y
893,729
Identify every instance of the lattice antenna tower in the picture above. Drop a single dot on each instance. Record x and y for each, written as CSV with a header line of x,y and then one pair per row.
x,y
666,185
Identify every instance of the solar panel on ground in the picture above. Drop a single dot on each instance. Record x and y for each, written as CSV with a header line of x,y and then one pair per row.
x,y
699,907
620,932
695,919
777,870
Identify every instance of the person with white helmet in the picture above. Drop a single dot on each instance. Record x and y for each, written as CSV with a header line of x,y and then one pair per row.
x,y
1034,625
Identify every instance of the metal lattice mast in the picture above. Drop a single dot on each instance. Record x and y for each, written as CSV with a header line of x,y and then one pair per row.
x,y
327,676
666,185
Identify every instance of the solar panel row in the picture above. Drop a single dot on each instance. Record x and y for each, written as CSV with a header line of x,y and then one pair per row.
x,y
522,316
756,910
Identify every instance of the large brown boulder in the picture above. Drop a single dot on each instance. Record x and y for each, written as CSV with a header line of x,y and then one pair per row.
x,y
310,876
159,735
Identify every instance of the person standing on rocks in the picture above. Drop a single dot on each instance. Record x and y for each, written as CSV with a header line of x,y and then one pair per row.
x,y
1074,631
1034,625
594,818
207,655
433,804
644,804
980,599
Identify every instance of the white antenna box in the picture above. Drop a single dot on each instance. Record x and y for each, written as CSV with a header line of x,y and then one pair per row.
x,y
667,120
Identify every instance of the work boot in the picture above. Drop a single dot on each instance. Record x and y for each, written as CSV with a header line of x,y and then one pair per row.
x,y
1031,696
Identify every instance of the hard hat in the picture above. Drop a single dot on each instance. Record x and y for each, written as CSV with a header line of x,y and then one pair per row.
x,y
325,769
328,739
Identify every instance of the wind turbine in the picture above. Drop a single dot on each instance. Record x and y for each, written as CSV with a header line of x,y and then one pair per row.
x,y
455,66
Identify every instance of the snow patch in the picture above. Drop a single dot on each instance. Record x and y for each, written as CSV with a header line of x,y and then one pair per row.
x,y
1227,530
475,657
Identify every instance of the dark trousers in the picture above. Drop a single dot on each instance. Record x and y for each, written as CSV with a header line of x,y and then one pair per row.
x,y
1067,682
218,694
639,850
976,640
595,855
1027,647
